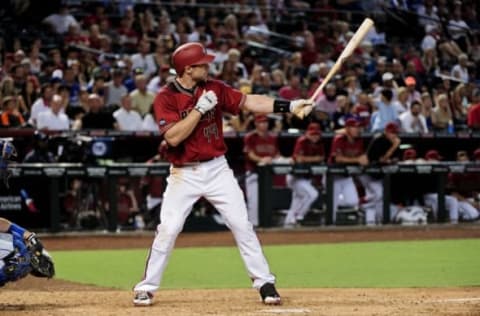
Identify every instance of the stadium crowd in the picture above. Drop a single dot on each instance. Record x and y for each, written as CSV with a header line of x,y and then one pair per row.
x,y
99,64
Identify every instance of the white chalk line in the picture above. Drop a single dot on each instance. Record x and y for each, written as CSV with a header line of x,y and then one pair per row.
x,y
285,311
456,300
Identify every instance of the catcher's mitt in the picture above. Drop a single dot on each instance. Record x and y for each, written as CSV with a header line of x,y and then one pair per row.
x,y
40,260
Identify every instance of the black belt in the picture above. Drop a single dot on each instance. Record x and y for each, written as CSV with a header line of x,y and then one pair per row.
x,y
195,162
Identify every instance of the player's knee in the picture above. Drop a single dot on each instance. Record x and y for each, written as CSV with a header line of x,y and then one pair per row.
x,y
169,229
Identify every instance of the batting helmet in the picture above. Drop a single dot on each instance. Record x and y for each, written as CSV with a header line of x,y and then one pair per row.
x,y
190,54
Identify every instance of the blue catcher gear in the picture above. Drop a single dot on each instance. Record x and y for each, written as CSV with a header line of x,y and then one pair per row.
x,y
8,152
14,258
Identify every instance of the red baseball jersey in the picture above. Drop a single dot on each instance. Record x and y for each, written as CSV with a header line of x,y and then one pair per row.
x,y
305,147
262,146
341,145
173,103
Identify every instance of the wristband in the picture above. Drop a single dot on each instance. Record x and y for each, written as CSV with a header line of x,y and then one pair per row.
x,y
16,230
281,106
199,110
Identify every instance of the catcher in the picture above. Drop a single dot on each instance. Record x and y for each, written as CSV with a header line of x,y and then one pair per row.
x,y
21,252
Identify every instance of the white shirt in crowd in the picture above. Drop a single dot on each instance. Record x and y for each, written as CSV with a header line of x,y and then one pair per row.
x,y
37,107
53,122
459,72
154,85
457,28
60,22
115,94
410,125
145,62
128,120
149,123
429,42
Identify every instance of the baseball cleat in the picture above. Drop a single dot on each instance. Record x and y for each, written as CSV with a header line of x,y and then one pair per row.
x,y
270,295
142,298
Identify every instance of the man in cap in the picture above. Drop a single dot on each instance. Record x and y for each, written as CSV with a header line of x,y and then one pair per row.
x,y
381,150
308,149
189,111
260,148
347,149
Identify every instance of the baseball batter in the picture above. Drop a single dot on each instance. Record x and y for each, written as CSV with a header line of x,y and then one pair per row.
x,y
188,111
308,149
347,148
260,147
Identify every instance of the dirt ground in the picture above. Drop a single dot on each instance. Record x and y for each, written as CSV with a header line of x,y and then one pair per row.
x,y
32,296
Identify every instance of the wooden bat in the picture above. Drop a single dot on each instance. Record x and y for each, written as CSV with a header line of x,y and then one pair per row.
x,y
347,52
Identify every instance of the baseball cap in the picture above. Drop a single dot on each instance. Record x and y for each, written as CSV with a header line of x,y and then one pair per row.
x,y
476,154
351,122
261,118
433,155
387,76
392,127
314,129
410,81
409,154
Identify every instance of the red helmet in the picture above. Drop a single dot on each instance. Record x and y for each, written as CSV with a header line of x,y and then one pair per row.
x,y
190,54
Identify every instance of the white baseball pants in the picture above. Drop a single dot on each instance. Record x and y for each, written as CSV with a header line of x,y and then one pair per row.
x,y
374,197
303,195
467,211
215,181
451,204
344,194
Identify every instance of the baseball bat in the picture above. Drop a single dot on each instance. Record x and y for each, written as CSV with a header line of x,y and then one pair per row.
x,y
356,39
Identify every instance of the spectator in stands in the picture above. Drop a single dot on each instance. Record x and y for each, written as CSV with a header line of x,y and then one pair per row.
x,y
293,90
142,99
459,30
159,80
11,116
413,94
128,210
442,115
385,112
402,103
54,118
127,118
148,123
114,89
70,80
476,155
460,70
39,152
97,116
143,59
342,113
42,104
413,121
59,22
473,116
326,104
260,148
431,199
428,14
31,93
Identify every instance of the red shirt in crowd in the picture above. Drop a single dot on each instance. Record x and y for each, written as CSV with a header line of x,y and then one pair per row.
x,y
262,146
341,145
174,102
473,117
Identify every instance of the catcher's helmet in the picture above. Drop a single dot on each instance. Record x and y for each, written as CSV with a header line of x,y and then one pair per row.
x,y
190,54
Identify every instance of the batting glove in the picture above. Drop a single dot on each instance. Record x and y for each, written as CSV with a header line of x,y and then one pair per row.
x,y
206,102
301,107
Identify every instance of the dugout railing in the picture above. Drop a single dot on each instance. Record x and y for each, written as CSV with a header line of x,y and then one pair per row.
x,y
54,173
